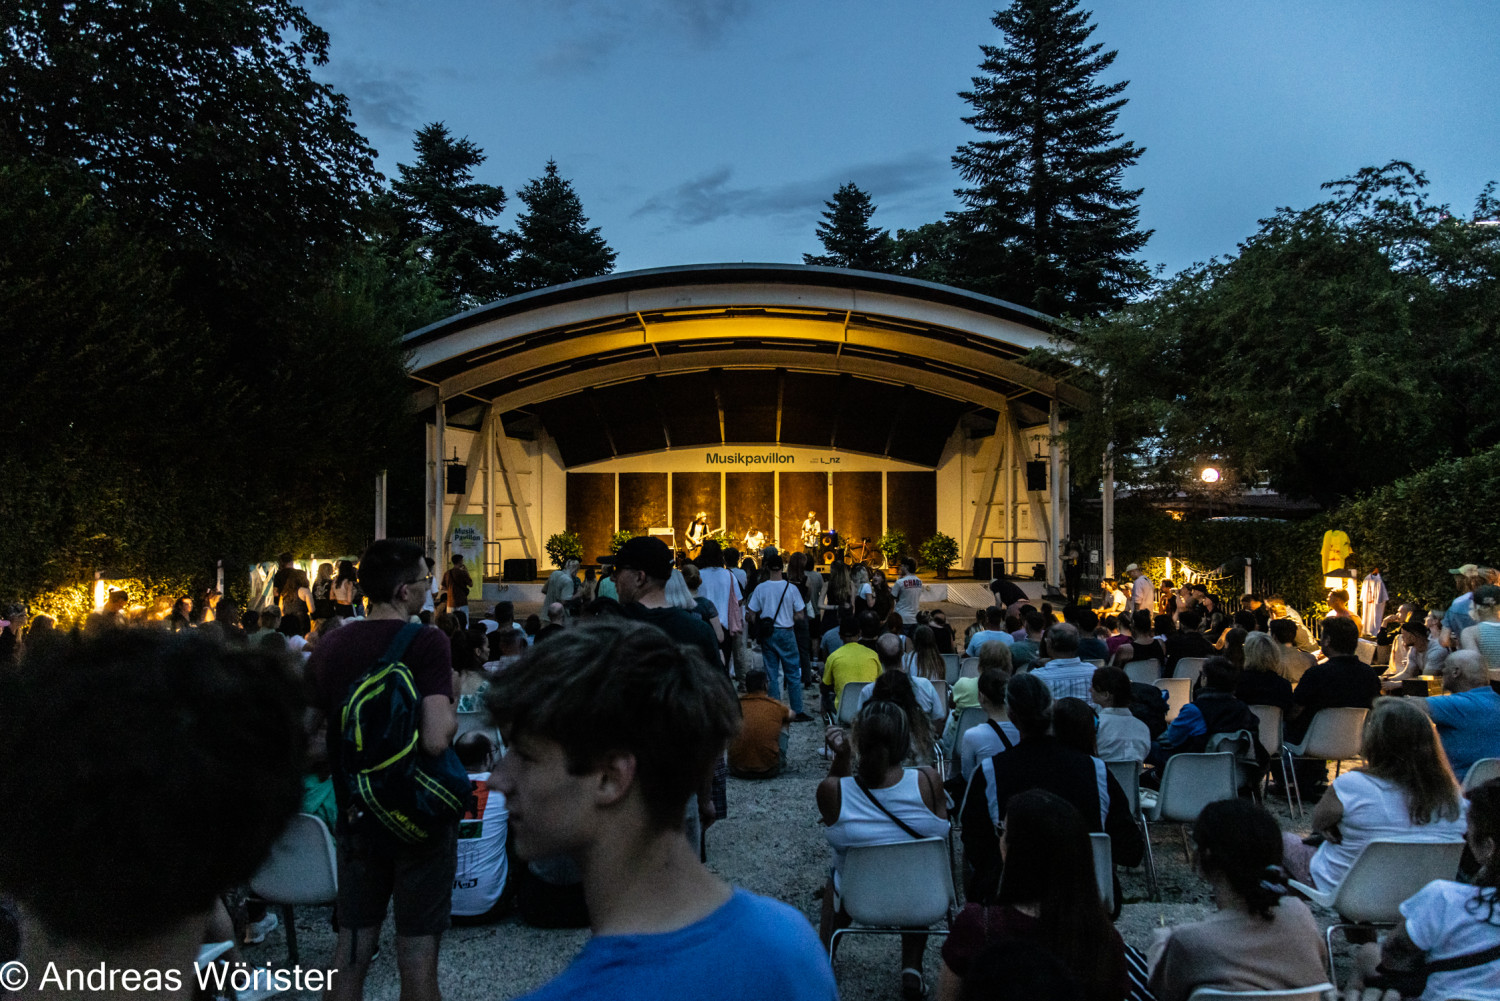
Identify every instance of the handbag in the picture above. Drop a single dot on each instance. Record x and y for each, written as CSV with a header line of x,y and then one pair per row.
x,y
764,625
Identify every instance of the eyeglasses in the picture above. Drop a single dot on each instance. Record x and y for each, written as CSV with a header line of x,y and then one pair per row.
x,y
420,580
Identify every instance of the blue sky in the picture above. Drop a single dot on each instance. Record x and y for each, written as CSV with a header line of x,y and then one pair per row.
x,y
713,130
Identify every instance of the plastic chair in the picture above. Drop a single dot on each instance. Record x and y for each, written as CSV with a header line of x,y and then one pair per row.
x,y
1128,775
1190,668
850,701
1241,744
1270,739
301,869
1188,784
971,717
1144,672
969,668
1334,735
941,687
1095,661
895,889
1179,693
1384,874
950,667
1365,651
1104,870
1314,993
1481,772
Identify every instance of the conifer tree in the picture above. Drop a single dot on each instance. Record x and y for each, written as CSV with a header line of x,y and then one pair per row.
x,y
848,239
1048,223
440,214
552,238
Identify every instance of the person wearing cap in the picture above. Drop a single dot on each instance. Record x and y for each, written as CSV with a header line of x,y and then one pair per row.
x,y
781,602
642,567
1142,591
1460,614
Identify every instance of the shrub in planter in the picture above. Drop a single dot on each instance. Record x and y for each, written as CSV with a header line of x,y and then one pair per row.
x,y
564,546
895,547
619,539
939,553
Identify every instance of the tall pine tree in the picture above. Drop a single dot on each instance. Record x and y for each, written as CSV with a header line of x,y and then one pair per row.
x,y
552,238
848,239
1048,224
440,215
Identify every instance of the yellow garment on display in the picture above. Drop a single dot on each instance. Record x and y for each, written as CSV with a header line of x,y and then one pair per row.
x,y
1336,550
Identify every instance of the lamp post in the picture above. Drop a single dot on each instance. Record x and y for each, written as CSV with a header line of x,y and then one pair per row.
x,y
1210,477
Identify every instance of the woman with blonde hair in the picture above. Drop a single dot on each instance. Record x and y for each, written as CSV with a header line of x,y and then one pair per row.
x,y
924,661
1261,682
1404,792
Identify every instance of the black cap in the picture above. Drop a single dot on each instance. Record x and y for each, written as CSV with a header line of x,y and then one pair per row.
x,y
646,554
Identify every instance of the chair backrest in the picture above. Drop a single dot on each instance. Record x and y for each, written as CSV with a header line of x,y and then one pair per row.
x,y
302,867
969,668
1365,651
850,701
903,884
1481,772
1270,727
1095,661
1387,872
1192,781
950,667
1128,774
1179,693
941,688
971,717
1316,992
1335,734
1240,743
1104,869
1190,668
1143,671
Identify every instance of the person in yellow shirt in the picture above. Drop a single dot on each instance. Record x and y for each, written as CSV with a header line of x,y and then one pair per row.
x,y
852,661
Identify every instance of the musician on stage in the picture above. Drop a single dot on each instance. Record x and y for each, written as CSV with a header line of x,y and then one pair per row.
x,y
811,529
696,533
755,541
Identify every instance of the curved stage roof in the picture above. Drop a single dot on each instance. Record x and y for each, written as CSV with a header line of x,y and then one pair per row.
x,y
728,353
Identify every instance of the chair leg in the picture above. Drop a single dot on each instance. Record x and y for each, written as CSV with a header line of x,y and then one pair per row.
x,y
1187,849
290,925
1328,942
1289,765
1151,888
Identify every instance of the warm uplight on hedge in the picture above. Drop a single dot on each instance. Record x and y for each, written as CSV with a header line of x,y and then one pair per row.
x,y
1209,475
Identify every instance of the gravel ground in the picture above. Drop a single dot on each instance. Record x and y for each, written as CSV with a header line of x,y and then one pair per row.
x,y
771,843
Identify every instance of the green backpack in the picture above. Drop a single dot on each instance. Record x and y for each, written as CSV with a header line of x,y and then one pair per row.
x,y
391,785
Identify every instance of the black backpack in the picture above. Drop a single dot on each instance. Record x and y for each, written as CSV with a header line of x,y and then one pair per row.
x,y
391,785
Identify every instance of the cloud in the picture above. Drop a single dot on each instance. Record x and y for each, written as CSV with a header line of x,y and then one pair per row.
x,y
380,102
602,27
712,197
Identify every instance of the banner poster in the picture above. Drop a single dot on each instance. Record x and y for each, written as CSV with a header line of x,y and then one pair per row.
x,y
467,540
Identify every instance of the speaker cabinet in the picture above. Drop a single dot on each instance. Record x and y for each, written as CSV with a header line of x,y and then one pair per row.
x,y
1036,475
458,477
986,568
519,570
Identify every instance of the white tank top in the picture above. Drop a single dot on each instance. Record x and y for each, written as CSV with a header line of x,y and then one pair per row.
x,y
863,823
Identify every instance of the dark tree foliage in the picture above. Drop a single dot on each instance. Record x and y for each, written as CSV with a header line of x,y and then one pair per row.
x,y
440,215
203,354
1047,223
552,239
848,239
930,252
1344,346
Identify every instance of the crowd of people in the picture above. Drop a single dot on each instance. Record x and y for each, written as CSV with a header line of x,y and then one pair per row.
x,y
593,744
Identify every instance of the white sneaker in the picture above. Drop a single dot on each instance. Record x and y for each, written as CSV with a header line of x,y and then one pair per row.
x,y
256,931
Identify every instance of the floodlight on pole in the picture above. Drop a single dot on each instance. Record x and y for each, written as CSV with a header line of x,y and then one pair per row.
x,y
1210,474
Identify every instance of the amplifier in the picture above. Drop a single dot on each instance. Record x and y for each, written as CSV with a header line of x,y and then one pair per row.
x,y
519,570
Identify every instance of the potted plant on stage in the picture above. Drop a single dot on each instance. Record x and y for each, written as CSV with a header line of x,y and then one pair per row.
x,y
939,553
894,546
564,546
619,539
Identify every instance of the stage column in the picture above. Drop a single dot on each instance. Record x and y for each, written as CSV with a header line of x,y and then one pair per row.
x,y
1109,511
1055,527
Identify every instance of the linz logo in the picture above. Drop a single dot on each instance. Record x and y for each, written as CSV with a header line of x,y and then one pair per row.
x,y
829,462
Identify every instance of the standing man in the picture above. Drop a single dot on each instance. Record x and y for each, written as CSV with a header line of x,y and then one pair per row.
x,y
456,585
1142,591
907,590
780,603
562,584
811,530
642,567
611,727
1072,565
373,868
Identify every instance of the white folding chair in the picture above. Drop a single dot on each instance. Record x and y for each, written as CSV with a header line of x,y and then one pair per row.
x,y
967,719
301,869
850,701
1241,744
1270,739
1144,672
1179,693
1190,668
969,668
1128,774
895,889
1384,874
1481,772
1317,992
1334,735
1189,782
941,687
1365,651
1104,870
950,667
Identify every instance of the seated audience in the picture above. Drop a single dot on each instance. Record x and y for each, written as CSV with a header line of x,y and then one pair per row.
x,y
888,650
1065,674
895,686
1294,661
1143,644
1121,736
994,736
1468,717
879,803
1188,641
759,749
1215,710
1261,939
1343,680
1047,897
965,691
479,882
1405,791
851,662
1261,682
1025,650
1018,970
993,630
1484,635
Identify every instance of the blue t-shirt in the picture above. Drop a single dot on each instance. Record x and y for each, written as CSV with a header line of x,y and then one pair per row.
x,y
831,641
751,948
1468,724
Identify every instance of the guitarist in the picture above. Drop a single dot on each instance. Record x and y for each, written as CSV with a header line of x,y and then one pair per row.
x,y
697,532
811,530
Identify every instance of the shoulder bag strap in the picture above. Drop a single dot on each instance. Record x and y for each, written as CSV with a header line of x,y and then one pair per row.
x,y
1001,734
1463,962
399,643
786,585
883,809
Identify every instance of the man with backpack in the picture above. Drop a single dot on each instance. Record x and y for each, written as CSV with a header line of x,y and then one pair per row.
x,y
388,847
